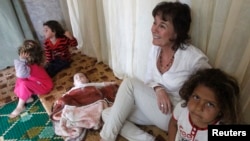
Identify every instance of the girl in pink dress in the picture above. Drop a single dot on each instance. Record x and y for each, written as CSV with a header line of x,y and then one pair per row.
x,y
31,75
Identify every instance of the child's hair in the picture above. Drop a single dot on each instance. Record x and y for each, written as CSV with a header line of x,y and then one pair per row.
x,y
35,51
224,86
55,27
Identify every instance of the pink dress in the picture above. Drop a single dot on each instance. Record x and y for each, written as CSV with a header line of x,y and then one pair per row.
x,y
31,79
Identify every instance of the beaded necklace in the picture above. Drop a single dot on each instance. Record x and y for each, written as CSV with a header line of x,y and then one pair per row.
x,y
164,68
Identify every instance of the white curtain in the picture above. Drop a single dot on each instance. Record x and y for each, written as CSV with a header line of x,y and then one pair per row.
x,y
117,32
221,29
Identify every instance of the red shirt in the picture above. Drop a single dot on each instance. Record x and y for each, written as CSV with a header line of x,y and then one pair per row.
x,y
59,50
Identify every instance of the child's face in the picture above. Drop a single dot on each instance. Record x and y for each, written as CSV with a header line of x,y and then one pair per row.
x,y
83,79
48,32
203,106
80,78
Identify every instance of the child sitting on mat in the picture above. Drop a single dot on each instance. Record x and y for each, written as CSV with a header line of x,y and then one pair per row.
x,y
31,75
57,43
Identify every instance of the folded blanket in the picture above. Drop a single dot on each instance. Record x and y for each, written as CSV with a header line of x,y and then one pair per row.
x,y
75,120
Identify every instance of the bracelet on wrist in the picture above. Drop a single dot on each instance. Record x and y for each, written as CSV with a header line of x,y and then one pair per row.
x,y
158,89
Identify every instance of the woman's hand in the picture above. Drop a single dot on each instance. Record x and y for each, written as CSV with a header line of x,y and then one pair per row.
x,y
163,100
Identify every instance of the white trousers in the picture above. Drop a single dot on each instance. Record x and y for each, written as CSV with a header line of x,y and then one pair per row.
x,y
135,103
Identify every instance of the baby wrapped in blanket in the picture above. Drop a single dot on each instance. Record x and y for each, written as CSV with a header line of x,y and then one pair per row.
x,y
80,81
80,108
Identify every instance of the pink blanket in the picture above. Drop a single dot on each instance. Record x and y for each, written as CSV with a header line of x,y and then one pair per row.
x,y
79,110
74,120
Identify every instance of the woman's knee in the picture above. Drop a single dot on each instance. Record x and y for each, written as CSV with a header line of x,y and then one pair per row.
x,y
131,81
106,113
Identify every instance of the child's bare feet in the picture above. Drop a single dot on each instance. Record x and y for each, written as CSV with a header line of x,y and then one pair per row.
x,y
16,112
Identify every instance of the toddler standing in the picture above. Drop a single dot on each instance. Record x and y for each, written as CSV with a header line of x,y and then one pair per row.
x,y
31,75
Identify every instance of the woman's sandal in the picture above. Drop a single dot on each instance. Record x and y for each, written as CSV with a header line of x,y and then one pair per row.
x,y
16,112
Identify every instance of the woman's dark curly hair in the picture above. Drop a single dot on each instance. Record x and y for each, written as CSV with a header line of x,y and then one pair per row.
x,y
55,27
180,15
225,88
35,51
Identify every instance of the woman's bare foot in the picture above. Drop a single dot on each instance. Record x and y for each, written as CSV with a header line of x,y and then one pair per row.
x,y
16,112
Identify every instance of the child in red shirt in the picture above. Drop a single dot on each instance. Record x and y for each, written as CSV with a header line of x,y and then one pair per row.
x,y
57,43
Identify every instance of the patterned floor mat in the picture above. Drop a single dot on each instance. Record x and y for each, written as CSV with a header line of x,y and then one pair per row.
x,y
32,125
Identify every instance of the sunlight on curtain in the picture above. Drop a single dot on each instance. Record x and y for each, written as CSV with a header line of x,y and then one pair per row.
x,y
221,29
76,24
128,25
118,33
84,19
65,14
115,32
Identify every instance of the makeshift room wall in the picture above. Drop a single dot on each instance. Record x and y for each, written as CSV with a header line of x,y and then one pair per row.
x,y
12,32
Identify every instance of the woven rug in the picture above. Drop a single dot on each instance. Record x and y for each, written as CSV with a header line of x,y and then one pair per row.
x,y
32,125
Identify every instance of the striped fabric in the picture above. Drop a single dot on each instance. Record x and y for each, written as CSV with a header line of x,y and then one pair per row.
x,y
59,50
